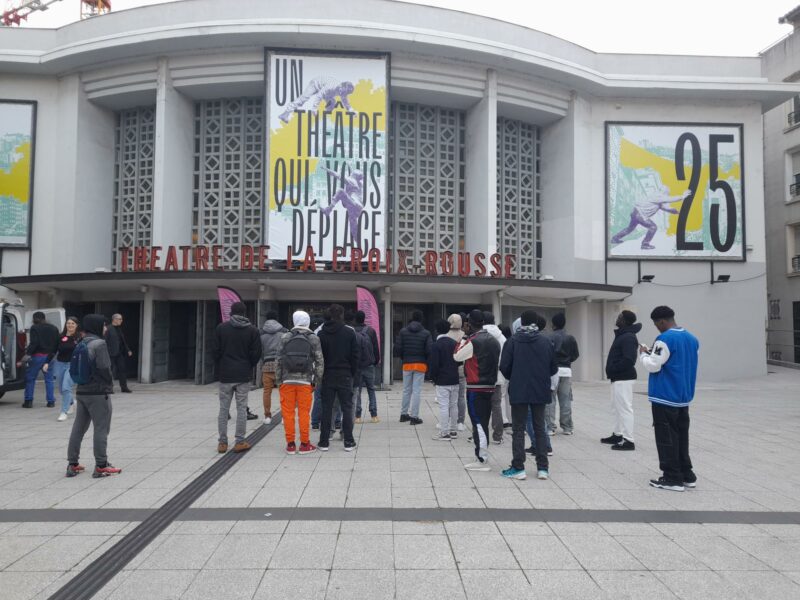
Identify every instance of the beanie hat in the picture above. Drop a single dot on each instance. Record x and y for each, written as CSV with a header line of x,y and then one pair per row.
x,y
476,318
455,321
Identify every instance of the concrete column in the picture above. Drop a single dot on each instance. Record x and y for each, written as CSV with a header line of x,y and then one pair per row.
x,y
172,174
146,351
481,199
386,351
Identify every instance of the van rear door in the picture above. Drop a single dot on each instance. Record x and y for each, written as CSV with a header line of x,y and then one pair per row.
x,y
54,316
9,328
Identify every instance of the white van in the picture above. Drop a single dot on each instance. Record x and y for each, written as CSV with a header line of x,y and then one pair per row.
x,y
15,321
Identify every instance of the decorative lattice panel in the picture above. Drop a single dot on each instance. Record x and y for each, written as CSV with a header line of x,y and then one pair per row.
x,y
228,175
133,179
518,207
426,178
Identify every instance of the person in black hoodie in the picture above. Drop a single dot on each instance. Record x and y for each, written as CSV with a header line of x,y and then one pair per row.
x,y
94,405
40,351
413,347
119,351
236,350
443,370
621,370
340,354
528,362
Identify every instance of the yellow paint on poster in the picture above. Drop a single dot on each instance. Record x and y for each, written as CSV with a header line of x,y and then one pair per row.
x,y
16,181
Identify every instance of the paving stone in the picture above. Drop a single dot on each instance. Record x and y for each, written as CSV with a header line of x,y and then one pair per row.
x,y
58,553
719,554
659,553
423,552
424,585
632,584
154,585
699,585
565,585
183,552
496,585
244,551
600,553
376,584
304,550
541,552
230,584
484,551
24,585
373,552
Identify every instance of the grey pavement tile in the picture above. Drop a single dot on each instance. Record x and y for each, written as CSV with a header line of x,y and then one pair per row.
x,y
789,532
197,527
377,497
659,553
548,498
313,527
779,554
524,528
423,552
732,530
622,528
358,551
347,585
22,586
141,498
496,585
58,553
418,528
96,528
406,465
264,526
600,553
304,550
41,528
231,584
699,585
594,499
484,551
282,497
244,551
182,552
153,585
762,584
793,575
424,585
366,527
541,552
471,528
7,527
719,554
459,498
563,528
414,498
510,497
565,585
411,478
632,585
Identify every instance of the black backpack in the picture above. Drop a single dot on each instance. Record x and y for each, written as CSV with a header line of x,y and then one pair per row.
x,y
366,356
297,354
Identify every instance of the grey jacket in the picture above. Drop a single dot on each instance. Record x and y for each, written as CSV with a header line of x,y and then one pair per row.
x,y
271,334
101,382
311,377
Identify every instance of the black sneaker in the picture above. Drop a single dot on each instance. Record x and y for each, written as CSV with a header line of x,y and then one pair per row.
x,y
251,416
350,446
51,404
322,447
28,404
453,435
690,481
404,418
315,426
624,445
414,421
612,439
663,484
531,450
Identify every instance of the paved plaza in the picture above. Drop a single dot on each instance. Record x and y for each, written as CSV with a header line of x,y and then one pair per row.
x,y
400,517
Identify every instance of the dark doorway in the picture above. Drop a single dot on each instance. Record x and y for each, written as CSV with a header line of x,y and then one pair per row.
x,y
401,316
182,340
796,327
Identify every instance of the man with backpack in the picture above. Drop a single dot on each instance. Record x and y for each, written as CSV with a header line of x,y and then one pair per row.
x,y
236,350
368,353
340,353
90,368
299,366
271,335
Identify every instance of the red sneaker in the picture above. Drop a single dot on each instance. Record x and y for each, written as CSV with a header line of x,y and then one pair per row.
x,y
106,471
291,448
73,470
307,448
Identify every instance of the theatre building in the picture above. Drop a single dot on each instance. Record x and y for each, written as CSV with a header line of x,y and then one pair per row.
x,y
293,151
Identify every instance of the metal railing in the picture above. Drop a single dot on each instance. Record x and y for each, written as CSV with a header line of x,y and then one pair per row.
x,y
794,189
783,345
793,118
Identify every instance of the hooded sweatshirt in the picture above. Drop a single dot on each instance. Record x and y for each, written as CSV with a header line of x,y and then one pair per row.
x,y
456,332
495,332
313,375
101,382
236,349
339,350
528,362
271,334
623,354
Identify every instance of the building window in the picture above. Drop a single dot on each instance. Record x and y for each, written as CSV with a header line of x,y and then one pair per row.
x,y
793,118
793,247
427,167
228,175
134,155
774,309
518,208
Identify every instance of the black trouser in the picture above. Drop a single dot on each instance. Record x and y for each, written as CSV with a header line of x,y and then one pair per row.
x,y
337,387
519,418
671,426
120,370
479,405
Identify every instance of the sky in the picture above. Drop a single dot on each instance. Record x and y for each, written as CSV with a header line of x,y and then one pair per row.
x,y
705,27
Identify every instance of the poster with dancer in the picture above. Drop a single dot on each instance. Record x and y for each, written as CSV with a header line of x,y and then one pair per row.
x,y
674,191
328,153
17,126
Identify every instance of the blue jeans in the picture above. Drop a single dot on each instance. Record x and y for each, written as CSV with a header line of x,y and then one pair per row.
x,y
32,372
529,429
63,382
412,389
366,379
316,409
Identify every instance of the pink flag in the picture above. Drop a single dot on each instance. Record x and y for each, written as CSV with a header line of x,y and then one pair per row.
x,y
227,297
366,302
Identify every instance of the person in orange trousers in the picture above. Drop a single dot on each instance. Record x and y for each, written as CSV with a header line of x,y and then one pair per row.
x,y
298,368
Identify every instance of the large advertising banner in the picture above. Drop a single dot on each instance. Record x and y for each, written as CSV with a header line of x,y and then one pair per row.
x,y
674,191
327,147
17,128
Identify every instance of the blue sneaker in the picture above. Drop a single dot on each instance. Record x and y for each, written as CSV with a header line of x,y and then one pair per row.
x,y
543,474
513,473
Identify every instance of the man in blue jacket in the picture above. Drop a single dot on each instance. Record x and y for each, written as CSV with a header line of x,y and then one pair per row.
x,y
528,362
672,364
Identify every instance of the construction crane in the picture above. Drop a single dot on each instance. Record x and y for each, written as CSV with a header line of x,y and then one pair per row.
x,y
17,12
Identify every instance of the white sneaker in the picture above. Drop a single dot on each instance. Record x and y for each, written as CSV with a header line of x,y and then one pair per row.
x,y
478,466
438,426
498,442
267,420
461,427
542,474
71,408
62,416
440,437
550,432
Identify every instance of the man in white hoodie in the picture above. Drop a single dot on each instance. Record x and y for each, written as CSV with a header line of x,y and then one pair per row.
x,y
497,397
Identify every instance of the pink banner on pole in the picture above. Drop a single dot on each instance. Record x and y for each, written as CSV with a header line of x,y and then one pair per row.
x,y
366,302
227,297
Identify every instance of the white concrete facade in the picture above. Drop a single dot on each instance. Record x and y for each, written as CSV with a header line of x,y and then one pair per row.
x,y
174,54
